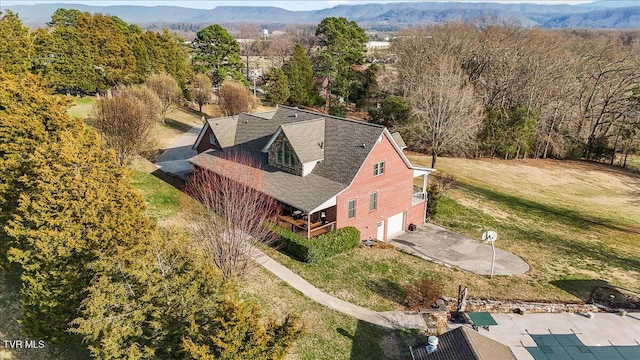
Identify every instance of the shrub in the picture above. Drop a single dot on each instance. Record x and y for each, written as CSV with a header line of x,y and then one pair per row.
x,y
318,248
423,294
338,110
445,181
434,194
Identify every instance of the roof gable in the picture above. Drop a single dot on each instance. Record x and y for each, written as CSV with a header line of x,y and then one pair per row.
x,y
224,129
306,139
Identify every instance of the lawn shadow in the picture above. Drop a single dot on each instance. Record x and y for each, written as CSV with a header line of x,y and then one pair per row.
x,y
388,289
562,215
577,249
373,342
596,291
172,180
177,125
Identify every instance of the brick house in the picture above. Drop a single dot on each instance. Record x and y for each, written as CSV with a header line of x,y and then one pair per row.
x,y
327,172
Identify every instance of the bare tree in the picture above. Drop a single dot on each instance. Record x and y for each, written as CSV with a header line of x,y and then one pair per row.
x,y
125,122
235,207
235,98
167,90
200,90
447,111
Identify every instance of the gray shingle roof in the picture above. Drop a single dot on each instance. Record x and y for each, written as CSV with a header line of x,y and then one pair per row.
x,y
347,144
463,343
306,138
399,140
224,130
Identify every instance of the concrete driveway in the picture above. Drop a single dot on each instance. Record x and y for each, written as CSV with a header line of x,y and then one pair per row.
x,y
174,159
440,245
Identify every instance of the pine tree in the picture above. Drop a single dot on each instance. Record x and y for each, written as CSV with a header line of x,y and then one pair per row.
x,y
217,54
15,49
302,87
276,86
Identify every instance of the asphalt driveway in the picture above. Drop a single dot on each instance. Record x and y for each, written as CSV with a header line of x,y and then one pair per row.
x,y
437,244
174,159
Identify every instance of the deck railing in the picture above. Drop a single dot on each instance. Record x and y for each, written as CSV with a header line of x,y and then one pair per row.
x,y
299,226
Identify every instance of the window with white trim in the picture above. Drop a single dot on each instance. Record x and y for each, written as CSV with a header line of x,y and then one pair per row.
x,y
378,168
352,209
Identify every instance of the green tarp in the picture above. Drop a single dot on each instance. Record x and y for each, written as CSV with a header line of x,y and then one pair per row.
x,y
569,347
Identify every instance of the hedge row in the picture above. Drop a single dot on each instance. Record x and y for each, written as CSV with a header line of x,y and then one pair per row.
x,y
320,247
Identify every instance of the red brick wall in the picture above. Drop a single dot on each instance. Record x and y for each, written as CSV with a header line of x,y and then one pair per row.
x,y
394,189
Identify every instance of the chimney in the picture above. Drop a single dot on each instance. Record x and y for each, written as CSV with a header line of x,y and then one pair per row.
x,y
432,346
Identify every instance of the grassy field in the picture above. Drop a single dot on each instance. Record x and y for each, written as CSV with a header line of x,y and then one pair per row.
x,y
575,223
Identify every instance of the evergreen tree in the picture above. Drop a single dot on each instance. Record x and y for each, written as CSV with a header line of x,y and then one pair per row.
x,y
29,117
276,86
175,59
302,87
79,207
217,54
394,111
343,43
15,49
162,300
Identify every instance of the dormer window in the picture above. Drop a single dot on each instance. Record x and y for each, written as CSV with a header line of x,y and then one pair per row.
x,y
284,155
212,139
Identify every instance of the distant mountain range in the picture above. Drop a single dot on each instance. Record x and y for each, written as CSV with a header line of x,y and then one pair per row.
x,y
393,16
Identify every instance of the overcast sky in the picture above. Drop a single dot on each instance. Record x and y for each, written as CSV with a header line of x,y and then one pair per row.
x,y
286,4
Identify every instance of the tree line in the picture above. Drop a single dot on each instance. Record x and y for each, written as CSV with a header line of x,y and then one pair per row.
x,y
84,53
509,92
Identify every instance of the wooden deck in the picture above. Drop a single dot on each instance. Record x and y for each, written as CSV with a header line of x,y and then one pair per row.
x,y
299,226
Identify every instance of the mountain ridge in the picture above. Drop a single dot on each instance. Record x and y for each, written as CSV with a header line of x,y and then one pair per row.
x,y
391,16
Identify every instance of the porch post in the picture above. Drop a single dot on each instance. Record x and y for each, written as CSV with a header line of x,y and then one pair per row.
x,y
309,226
424,183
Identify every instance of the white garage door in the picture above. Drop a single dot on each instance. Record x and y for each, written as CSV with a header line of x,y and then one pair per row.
x,y
395,224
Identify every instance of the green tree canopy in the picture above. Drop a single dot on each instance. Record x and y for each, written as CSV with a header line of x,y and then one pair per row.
x,y
15,45
163,300
302,87
276,86
217,54
343,44
29,117
394,111
80,207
